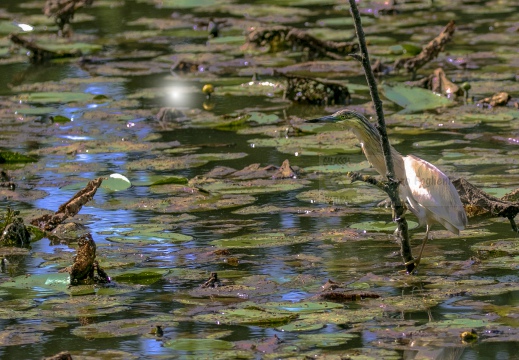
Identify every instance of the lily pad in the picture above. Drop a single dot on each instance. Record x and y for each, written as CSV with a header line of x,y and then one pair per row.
x,y
145,276
297,326
116,182
381,226
338,168
52,282
325,143
123,327
414,99
149,234
56,97
347,196
250,187
301,307
324,340
245,317
199,345
9,157
260,240
35,110
181,162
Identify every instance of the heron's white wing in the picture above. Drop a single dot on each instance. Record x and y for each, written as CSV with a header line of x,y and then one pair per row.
x,y
433,190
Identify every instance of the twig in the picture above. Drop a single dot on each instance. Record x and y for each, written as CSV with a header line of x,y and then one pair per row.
x,y
392,186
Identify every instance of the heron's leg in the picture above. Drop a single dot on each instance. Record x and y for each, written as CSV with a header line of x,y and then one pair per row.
x,y
416,261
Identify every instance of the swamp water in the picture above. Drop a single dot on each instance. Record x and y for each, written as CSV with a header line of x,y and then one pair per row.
x,y
197,205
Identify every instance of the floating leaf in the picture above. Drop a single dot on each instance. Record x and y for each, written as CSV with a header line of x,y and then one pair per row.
x,y
123,327
245,316
324,340
199,345
56,97
260,240
301,307
414,99
170,180
60,119
116,182
250,187
149,234
9,157
263,119
381,225
145,276
300,326
55,282
338,168
35,110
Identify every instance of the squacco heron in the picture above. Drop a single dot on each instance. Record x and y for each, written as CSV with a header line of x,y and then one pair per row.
x,y
425,189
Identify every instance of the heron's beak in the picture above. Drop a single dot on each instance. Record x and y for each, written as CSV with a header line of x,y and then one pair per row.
x,y
324,119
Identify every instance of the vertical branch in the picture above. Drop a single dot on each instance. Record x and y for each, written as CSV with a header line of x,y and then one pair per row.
x,y
396,202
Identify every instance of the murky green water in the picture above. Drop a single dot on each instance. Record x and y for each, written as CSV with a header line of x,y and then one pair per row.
x,y
285,238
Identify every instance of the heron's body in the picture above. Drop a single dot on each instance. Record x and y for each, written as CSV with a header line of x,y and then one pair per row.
x,y
426,190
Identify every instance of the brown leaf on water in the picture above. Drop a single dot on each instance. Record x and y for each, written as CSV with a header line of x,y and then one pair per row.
x,y
438,83
49,222
285,171
498,99
330,285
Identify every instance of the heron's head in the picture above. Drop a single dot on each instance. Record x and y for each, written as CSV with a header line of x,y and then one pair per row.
x,y
349,119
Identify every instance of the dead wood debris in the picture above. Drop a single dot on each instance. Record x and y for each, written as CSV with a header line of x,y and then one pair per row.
x,y
212,282
339,296
86,270
12,229
64,355
185,66
429,52
39,55
330,285
63,12
282,37
477,202
49,222
316,91
212,25
285,171
499,99
439,83
5,181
